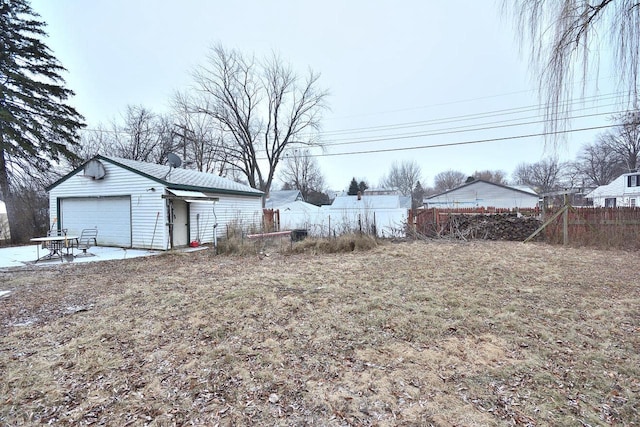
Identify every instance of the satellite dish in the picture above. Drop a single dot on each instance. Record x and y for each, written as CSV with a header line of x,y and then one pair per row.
x,y
174,161
94,169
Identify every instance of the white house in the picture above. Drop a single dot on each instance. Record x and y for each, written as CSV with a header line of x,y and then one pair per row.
x,y
480,193
145,205
624,191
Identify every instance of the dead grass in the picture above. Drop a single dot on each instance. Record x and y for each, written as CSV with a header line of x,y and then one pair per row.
x,y
425,333
341,244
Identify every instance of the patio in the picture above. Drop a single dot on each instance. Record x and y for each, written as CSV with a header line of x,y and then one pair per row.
x,y
20,256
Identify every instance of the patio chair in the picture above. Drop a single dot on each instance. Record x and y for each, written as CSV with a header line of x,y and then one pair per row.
x,y
55,247
87,240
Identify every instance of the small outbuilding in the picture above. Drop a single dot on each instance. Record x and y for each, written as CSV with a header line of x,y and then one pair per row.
x,y
384,215
481,193
145,205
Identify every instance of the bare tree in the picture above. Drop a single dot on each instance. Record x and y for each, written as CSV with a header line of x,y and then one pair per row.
x,y
597,164
92,142
202,140
263,109
302,172
543,176
567,40
403,177
448,180
143,136
496,176
624,139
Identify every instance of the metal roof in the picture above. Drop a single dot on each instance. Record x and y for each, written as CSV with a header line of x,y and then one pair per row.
x,y
520,189
282,197
182,179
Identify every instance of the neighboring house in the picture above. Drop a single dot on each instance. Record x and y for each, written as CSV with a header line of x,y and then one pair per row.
x,y
624,191
4,222
282,197
145,205
481,193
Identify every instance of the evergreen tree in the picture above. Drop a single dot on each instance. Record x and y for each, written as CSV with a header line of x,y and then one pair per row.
x,y
362,186
353,188
417,196
36,126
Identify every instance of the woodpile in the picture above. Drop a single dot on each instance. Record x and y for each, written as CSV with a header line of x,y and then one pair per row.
x,y
490,227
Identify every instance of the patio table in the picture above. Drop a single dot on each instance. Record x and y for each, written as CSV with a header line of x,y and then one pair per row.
x,y
55,249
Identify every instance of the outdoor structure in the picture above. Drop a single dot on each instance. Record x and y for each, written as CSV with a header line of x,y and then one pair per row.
x,y
282,197
480,193
4,223
144,205
300,215
624,191
384,216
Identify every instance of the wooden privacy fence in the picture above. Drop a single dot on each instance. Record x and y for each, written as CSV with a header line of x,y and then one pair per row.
x,y
271,220
603,227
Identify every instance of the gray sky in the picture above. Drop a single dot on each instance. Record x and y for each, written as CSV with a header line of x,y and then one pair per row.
x,y
438,66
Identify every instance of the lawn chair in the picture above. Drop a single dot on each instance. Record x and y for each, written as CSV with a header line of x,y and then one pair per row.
x,y
87,240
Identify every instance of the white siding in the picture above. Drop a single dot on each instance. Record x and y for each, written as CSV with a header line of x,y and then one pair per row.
x,y
618,190
148,212
388,222
301,215
346,218
482,194
229,211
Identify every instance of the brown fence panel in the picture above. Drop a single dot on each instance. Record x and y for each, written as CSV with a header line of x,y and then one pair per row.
x,y
600,227
271,220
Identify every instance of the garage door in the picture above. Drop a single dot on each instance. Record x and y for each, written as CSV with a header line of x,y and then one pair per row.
x,y
111,215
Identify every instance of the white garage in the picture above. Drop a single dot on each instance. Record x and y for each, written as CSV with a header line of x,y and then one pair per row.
x,y
110,215
150,206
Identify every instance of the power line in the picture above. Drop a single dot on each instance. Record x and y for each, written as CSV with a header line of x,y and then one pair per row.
x,y
444,120
448,131
464,117
452,144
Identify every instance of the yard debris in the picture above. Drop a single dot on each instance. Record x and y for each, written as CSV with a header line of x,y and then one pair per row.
x,y
78,308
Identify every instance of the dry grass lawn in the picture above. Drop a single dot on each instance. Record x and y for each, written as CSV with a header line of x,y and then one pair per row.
x,y
423,333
